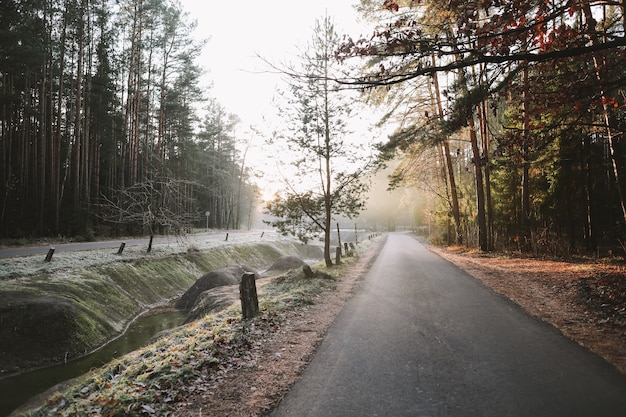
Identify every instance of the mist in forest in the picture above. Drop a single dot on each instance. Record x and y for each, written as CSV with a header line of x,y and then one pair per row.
x,y
388,210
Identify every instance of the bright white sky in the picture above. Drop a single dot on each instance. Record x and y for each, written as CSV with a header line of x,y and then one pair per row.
x,y
273,29
276,30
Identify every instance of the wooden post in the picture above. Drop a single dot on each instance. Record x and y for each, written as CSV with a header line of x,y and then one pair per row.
x,y
150,244
49,255
121,249
262,233
249,299
339,239
226,237
338,255
345,248
356,235
308,272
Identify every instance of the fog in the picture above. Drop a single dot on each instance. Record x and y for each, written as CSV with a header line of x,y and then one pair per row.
x,y
399,209
404,208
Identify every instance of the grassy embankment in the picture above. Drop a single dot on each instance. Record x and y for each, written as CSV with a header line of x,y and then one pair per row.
x,y
57,314
152,380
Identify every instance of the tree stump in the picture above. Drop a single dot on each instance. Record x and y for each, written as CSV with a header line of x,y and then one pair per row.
x,y
249,299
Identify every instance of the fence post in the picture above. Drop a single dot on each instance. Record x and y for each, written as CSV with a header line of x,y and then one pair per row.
x,y
121,249
249,299
339,238
49,255
338,255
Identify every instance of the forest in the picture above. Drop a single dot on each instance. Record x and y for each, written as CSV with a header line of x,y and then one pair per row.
x,y
100,132
511,117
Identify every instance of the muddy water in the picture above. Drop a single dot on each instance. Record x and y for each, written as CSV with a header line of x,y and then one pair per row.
x,y
16,390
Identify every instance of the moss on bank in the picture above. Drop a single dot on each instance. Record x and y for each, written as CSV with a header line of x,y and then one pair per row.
x,y
55,316
157,378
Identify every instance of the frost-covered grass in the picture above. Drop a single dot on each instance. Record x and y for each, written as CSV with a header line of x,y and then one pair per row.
x,y
24,266
156,379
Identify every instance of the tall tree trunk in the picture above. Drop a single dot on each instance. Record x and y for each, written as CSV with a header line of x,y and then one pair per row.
x,y
525,213
593,39
88,162
327,186
481,220
77,149
483,243
57,183
239,185
484,130
456,213
43,157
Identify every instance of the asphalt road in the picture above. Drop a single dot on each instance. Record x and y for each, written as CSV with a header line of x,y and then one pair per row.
x,y
423,338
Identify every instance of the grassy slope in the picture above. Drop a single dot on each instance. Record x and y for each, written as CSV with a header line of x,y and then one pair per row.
x,y
153,379
53,315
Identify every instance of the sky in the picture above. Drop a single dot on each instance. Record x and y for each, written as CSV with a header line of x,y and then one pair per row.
x,y
239,32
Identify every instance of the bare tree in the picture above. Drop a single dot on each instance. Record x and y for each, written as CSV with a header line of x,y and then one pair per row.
x,y
154,206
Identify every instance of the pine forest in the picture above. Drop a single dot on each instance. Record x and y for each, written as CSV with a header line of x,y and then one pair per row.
x,y
100,131
510,119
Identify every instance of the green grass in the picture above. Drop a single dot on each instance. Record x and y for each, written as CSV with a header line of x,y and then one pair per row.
x,y
152,379
100,299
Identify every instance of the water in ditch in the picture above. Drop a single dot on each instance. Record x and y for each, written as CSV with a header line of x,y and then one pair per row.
x,y
18,389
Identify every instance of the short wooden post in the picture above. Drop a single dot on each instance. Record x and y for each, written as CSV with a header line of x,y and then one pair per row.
x,y
338,255
308,272
226,237
345,248
121,249
262,233
249,299
352,246
49,255
339,238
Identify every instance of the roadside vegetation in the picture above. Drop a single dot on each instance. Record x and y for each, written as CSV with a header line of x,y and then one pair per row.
x,y
59,310
190,359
